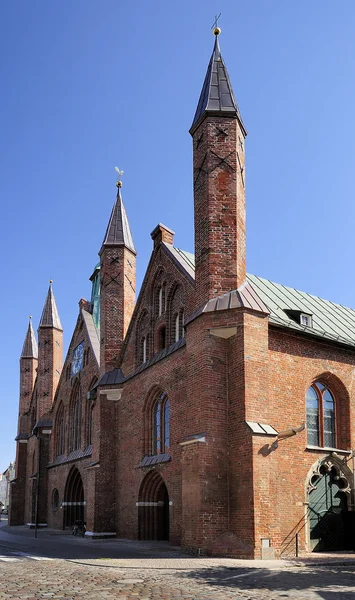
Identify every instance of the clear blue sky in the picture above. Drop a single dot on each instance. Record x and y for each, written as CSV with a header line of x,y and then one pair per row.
x,y
89,85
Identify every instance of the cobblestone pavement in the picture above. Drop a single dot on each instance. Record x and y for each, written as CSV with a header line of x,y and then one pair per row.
x,y
28,577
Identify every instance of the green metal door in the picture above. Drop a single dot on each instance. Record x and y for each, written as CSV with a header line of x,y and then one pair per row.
x,y
327,515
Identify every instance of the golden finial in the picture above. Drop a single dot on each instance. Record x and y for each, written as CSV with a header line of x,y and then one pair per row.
x,y
119,175
216,30
51,281
30,316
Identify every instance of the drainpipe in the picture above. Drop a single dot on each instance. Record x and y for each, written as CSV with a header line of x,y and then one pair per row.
x,y
37,482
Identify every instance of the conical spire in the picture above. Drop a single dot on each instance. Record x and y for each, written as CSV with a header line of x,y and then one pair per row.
x,y
50,316
118,232
217,97
30,348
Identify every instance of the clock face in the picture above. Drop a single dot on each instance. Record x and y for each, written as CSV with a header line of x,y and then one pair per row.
x,y
77,362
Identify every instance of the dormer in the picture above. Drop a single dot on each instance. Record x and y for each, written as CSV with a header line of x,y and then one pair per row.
x,y
300,317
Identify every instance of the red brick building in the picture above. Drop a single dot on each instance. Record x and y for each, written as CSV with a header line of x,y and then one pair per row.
x,y
215,411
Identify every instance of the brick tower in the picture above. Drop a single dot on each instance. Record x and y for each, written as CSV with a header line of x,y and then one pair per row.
x,y
118,284
28,373
220,333
219,185
50,354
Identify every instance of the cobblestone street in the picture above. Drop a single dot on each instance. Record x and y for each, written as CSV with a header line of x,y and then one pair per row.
x,y
30,578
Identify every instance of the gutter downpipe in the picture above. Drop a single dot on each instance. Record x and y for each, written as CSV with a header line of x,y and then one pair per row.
x,y
37,484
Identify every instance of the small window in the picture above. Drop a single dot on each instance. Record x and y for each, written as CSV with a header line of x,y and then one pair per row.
x,y
306,320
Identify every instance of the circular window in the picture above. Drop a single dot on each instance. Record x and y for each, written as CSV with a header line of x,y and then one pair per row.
x,y
55,499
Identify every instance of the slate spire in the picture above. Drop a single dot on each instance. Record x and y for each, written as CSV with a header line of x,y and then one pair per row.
x,y
30,348
217,97
50,316
118,232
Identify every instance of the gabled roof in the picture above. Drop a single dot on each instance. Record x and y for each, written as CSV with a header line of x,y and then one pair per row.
x,y
329,320
217,95
50,316
30,348
118,232
92,333
182,259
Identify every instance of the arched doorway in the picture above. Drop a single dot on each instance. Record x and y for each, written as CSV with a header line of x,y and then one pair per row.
x,y
331,525
73,504
153,508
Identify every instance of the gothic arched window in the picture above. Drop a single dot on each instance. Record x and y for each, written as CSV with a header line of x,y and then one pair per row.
x,y
60,431
320,416
76,419
161,424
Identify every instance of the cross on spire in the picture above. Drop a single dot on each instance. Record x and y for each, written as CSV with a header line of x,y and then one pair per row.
x,y
216,29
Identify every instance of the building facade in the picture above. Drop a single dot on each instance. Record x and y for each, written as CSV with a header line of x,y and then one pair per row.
x,y
215,410
5,478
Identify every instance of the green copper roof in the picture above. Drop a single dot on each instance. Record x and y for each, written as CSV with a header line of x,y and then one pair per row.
x,y
328,320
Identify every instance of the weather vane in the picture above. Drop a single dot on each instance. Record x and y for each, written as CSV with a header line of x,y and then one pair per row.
x,y
119,175
216,30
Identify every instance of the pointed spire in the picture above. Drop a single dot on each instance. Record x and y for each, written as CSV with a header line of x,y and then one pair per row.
x,y
217,97
118,232
30,348
50,316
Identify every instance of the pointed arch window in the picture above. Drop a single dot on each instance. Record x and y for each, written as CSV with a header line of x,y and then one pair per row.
x,y
60,432
177,327
144,349
161,424
76,419
91,396
160,302
321,426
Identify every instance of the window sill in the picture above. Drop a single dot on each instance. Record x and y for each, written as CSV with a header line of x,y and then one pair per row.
x,y
150,461
326,449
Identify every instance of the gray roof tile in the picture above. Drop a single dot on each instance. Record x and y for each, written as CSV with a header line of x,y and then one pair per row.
x,y
118,232
30,348
217,95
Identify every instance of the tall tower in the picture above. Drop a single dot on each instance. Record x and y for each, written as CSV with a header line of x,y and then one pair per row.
x,y
118,284
28,373
219,185
28,368
50,354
